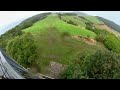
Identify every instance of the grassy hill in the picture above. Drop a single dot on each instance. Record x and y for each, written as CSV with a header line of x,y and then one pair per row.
x,y
60,39
76,19
52,47
93,19
54,21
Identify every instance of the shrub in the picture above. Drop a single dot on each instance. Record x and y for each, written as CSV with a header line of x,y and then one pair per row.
x,y
100,65
100,38
65,34
71,22
22,49
108,39
112,43
73,71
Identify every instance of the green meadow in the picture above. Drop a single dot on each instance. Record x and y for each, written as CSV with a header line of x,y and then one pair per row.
x,y
54,21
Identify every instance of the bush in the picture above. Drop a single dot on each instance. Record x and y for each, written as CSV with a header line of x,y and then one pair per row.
x,y
89,26
112,43
100,65
73,71
59,16
9,35
22,49
71,22
65,34
108,39
100,38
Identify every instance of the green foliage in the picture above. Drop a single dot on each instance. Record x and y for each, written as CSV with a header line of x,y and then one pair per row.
x,y
56,44
89,26
30,21
53,45
75,20
3,43
101,34
65,34
26,23
71,22
93,19
59,16
14,32
100,65
17,31
112,43
22,49
9,35
73,71
100,38
54,21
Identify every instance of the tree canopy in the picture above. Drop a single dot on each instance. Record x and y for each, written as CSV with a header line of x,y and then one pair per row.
x,y
100,65
22,49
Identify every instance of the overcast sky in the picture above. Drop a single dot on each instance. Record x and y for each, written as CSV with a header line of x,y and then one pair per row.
x,y
7,17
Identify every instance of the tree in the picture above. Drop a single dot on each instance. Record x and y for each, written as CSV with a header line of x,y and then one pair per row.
x,y
22,49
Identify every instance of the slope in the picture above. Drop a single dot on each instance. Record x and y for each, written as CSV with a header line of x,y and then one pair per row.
x,y
93,19
110,24
78,20
54,21
51,46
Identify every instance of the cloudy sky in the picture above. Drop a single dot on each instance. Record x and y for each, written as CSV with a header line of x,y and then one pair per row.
x,y
7,17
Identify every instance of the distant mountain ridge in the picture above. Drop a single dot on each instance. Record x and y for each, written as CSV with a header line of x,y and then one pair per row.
x,y
110,24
